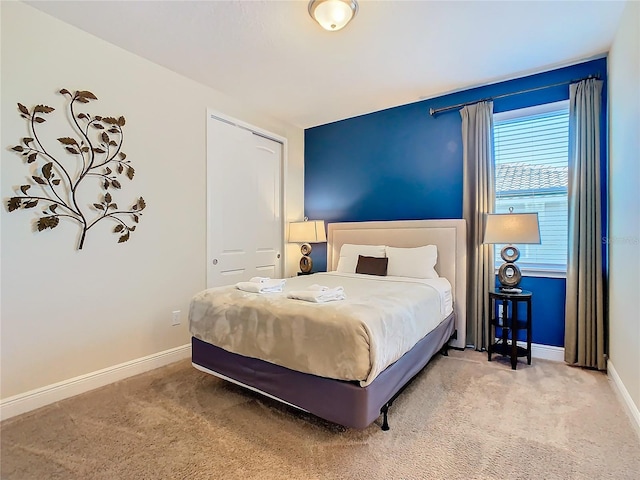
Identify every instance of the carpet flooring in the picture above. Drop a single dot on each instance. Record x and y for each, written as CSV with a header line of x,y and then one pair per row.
x,y
461,418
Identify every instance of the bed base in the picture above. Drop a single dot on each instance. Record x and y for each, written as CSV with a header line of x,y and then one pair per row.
x,y
384,411
341,402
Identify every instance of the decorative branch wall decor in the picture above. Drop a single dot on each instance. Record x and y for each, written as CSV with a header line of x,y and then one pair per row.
x,y
95,153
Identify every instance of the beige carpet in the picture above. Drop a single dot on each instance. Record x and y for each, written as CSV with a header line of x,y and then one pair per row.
x,y
462,418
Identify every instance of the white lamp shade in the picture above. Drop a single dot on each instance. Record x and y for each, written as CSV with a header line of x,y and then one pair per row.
x,y
512,228
332,15
311,231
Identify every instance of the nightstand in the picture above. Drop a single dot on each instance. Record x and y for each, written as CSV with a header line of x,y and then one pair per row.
x,y
505,324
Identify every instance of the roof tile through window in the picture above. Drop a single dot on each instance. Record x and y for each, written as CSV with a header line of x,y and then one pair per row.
x,y
521,178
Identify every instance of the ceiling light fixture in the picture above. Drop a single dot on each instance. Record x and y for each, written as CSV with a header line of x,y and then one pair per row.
x,y
333,15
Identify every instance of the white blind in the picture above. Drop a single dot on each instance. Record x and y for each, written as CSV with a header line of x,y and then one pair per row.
x,y
531,166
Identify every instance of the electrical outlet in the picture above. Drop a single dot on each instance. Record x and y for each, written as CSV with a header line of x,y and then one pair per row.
x,y
175,317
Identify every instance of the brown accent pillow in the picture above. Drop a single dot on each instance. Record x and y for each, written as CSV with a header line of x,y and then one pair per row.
x,y
372,265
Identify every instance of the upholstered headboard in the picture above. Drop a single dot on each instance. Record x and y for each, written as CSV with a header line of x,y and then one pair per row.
x,y
449,236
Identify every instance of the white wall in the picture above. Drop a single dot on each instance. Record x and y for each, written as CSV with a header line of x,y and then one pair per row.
x,y
66,313
624,197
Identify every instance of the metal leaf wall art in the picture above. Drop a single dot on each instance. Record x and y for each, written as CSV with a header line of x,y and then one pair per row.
x,y
94,151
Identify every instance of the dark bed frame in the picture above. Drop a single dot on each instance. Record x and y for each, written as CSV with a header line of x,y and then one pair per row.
x,y
347,403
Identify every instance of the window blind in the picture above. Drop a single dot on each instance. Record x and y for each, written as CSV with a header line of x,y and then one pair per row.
x,y
531,167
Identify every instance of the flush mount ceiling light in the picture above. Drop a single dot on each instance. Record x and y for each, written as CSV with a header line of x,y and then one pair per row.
x,y
333,15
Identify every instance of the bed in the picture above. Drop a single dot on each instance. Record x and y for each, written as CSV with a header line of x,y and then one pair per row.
x,y
269,343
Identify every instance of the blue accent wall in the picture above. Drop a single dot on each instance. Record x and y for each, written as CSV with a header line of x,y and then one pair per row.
x,y
404,164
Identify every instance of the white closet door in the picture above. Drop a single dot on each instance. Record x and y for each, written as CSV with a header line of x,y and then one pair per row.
x,y
244,195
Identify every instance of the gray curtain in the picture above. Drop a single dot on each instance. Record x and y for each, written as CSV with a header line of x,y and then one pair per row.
x,y
584,341
477,201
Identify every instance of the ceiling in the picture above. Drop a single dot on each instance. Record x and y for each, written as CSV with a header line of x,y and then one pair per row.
x,y
273,56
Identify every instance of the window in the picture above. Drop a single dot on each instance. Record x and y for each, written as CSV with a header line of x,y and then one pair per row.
x,y
531,148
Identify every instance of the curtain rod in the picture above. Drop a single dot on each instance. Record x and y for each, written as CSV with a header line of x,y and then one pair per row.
x,y
433,112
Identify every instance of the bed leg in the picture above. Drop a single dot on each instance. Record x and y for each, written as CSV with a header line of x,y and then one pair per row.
x,y
384,410
445,348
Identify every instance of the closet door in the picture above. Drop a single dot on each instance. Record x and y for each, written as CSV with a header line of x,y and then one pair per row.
x,y
244,204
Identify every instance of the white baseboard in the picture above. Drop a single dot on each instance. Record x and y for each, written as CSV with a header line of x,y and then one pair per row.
x,y
547,352
538,350
25,402
623,393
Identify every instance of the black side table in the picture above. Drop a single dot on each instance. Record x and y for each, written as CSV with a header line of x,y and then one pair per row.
x,y
510,325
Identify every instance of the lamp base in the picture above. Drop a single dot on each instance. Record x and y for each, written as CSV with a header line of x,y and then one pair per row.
x,y
509,275
510,290
306,264
510,253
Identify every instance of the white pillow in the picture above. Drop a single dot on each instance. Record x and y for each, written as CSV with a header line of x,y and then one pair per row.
x,y
416,262
349,255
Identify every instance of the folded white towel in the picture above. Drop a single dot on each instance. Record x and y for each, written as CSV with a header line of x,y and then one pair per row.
x,y
268,286
260,279
317,295
321,288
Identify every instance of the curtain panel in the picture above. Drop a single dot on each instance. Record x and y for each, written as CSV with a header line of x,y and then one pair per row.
x,y
478,200
584,343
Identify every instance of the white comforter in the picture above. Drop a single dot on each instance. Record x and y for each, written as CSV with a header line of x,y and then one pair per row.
x,y
352,339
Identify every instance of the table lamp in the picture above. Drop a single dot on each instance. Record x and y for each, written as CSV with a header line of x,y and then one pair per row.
x,y
307,232
510,228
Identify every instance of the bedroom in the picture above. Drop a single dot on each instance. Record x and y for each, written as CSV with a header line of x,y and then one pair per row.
x,y
123,295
